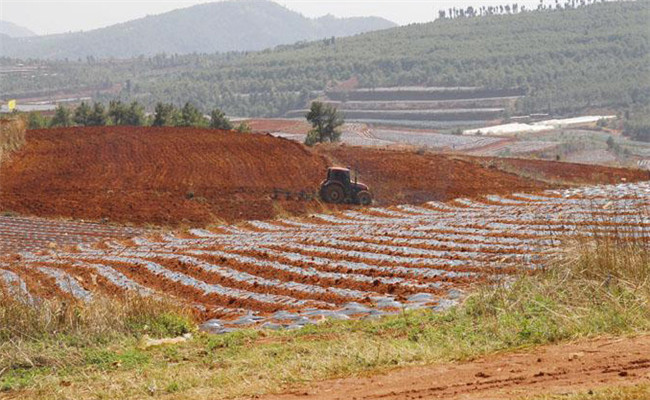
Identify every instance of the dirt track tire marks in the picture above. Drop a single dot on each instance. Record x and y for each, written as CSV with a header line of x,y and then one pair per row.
x,y
564,368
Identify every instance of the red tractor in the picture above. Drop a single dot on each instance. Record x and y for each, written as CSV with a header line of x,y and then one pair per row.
x,y
338,188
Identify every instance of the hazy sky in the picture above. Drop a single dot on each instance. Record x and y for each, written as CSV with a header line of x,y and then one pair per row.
x,y
50,16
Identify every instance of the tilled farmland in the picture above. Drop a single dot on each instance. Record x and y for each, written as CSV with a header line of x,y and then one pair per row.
x,y
354,264
195,177
18,234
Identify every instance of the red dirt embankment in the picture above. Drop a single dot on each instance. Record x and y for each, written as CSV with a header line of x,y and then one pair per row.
x,y
154,175
397,177
408,177
173,176
279,125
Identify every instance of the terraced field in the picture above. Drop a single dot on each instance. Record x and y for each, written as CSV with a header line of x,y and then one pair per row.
x,y
354,264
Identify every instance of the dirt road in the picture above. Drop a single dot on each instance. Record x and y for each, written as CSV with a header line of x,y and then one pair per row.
x,y
557,369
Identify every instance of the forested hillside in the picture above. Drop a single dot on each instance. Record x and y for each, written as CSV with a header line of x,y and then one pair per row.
x,y
564,60
205,28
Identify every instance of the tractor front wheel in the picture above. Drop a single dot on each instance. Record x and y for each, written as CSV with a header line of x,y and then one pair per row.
x,y
333,194
365,198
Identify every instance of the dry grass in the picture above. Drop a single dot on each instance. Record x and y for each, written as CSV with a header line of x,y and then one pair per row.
x,y
54,333
102,317
12,135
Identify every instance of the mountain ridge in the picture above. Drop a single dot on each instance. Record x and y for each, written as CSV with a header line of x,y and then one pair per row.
x,y
245,25
14,30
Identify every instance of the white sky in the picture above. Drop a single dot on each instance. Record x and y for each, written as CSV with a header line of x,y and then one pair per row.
x,y
51,16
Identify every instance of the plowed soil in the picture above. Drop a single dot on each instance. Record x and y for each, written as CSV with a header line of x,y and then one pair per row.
x,y
565,171
176,176
560,369
161,176
398,177
279,125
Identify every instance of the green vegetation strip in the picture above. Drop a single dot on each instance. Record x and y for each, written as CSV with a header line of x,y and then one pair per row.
x,y
97,351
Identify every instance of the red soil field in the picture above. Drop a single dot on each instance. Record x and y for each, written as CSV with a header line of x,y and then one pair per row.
x,y
279,125
188,176
566,172
154,175
398,177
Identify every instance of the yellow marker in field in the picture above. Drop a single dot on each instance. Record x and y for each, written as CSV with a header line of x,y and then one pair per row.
x,y
11,104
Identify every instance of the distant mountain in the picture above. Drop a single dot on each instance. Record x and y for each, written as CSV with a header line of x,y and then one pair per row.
x,y
15,31
243,25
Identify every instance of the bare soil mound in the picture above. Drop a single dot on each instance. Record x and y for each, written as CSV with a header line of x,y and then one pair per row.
x,y
407,177
559,369
175,176
155,175
399,176
293,126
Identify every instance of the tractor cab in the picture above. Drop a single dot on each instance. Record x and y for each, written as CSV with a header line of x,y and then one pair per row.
x,y
339,174
339,188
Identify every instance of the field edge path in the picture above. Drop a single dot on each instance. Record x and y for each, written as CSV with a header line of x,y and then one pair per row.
x,y
551,369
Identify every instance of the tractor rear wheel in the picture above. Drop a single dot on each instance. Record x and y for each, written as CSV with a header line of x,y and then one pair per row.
x,y
365,198
333,194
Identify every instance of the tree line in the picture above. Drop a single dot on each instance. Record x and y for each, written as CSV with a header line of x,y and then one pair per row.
x,y
514,8
132,114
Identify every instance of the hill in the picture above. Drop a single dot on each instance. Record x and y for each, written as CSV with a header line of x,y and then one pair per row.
x,y
563,60
174,176
14,31
206,28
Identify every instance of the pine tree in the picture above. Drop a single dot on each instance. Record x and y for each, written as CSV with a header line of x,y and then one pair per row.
x,y
164,115
61,117
325,121
218,120
81,114
98,115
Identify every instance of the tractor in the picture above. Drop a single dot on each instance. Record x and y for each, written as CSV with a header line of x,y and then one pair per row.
x,y
338,188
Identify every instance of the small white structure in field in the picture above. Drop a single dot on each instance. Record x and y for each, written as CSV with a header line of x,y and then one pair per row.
x,y
513,128
507,129
560,123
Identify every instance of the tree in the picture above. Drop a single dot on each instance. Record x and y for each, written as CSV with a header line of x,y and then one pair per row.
x,y
97,116
61,117
135,114
218,120
121,114
325,121
117,111
81,114
191,116
165,115
36,120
